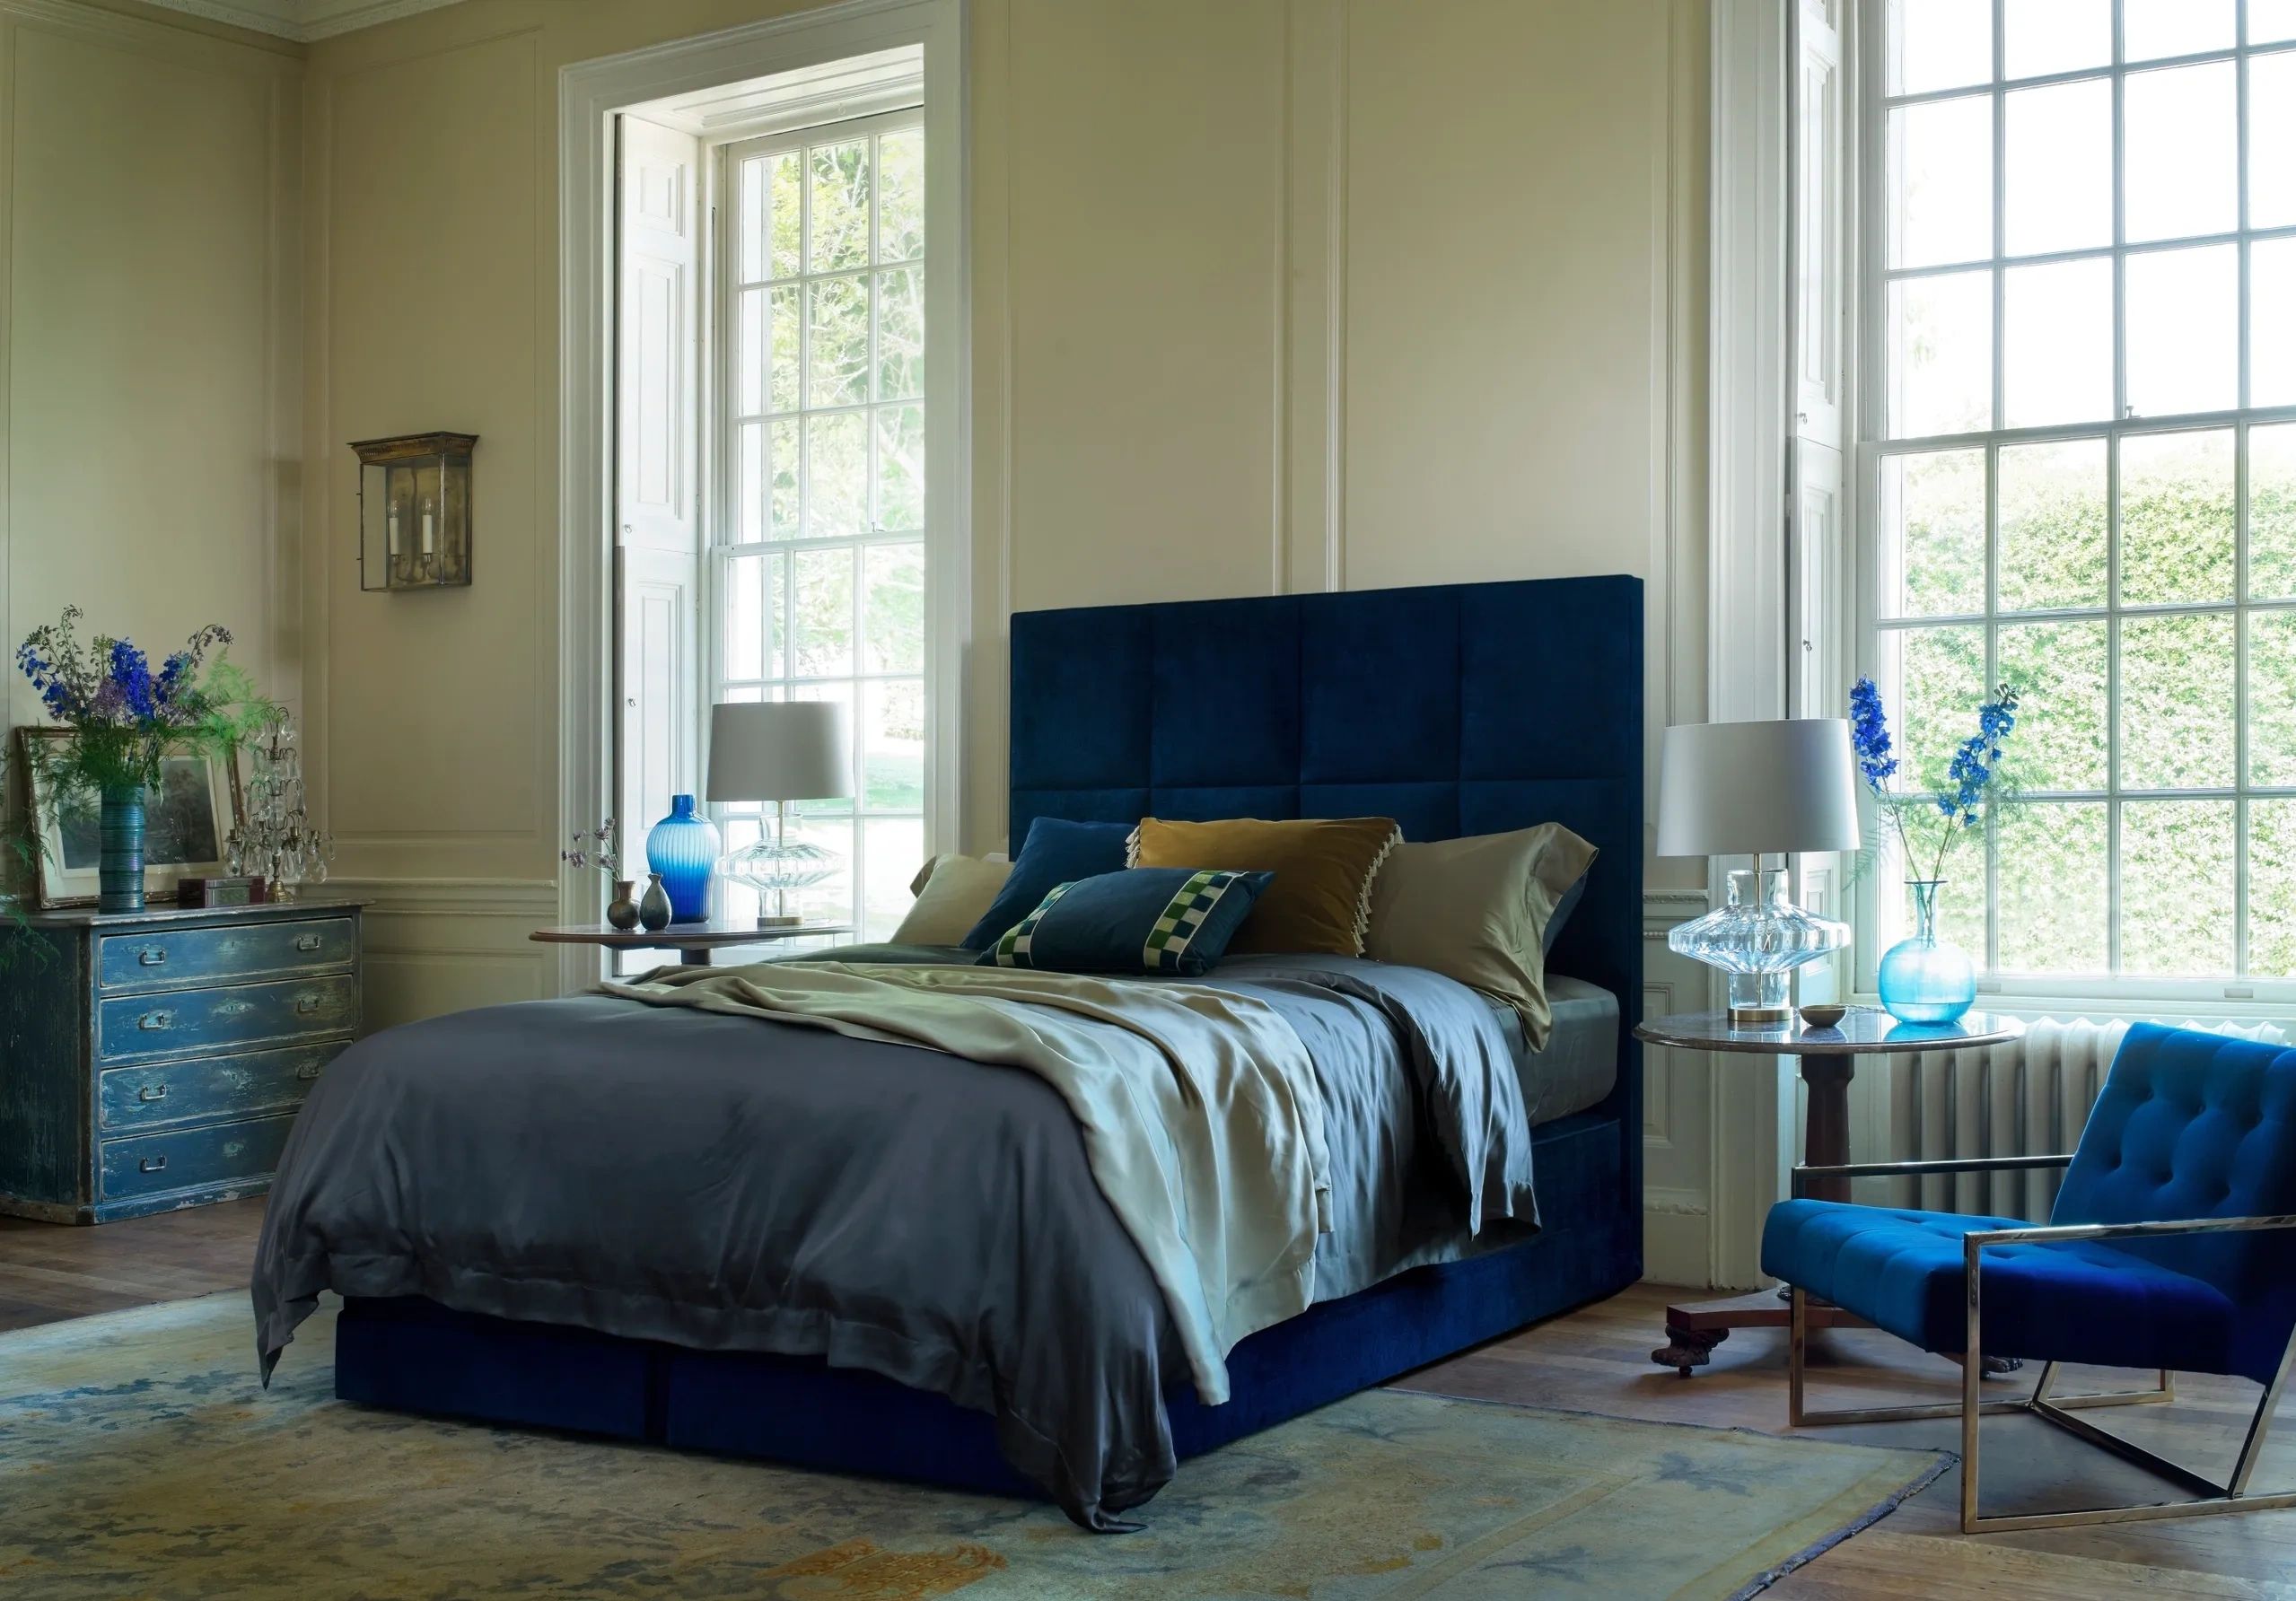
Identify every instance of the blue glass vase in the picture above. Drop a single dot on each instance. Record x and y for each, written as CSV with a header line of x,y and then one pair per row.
x,y
682,848
1925,979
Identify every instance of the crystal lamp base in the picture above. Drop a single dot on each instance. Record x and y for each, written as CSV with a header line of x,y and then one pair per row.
x,y
1757,943
776,867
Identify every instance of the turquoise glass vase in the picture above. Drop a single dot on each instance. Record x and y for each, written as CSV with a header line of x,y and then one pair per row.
x,y
1925,979
683,847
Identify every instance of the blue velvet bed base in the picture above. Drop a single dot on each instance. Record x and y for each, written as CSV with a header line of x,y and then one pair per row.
x,y
415,1355
1456,709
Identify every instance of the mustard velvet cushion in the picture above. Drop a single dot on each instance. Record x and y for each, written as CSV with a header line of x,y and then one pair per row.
x,y
1477,910
952,893
1321,900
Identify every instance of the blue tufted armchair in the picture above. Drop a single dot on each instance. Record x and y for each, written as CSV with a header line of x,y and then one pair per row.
x,y
2172,1246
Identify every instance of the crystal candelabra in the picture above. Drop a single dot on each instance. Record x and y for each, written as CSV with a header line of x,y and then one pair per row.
x,y
274,837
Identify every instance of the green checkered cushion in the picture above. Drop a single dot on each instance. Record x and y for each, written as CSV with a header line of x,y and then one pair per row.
x,y
1169,920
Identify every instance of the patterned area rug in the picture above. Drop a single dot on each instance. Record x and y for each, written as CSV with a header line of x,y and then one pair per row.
x,y
139,1458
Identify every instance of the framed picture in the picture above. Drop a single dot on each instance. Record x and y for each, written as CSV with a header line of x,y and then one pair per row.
x,y
187,817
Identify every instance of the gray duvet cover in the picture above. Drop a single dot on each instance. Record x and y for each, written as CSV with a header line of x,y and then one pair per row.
x,y
727,1182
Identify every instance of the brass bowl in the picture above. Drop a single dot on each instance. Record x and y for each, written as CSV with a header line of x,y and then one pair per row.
x,y
1823,1016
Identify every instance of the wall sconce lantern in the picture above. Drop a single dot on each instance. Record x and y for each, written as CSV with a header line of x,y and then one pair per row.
x,y
414,510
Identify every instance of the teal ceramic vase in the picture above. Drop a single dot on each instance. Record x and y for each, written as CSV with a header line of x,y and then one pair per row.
x,y
654,910
119,849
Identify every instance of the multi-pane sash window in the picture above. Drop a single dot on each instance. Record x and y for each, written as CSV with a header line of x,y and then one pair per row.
x,y
2081,425
820,565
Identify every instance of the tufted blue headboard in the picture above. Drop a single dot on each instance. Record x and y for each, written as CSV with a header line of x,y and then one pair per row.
x,y
1456,709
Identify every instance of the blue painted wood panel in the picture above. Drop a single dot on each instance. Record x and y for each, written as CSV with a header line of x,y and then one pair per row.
x,y
168,958
136,1027
133,1098
187,1158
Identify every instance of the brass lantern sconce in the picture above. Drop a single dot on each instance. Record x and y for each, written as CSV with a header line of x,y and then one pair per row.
x,y
414,510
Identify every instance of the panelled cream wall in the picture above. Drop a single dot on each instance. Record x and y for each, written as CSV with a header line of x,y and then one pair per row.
x,y
1350,293
149,332
1267,294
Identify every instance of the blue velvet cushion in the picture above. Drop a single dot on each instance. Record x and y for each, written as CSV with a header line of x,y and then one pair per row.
x,y
1057,852
2078,1303
1175,920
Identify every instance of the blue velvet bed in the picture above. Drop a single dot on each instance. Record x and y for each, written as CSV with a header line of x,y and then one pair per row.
x,y
1458,710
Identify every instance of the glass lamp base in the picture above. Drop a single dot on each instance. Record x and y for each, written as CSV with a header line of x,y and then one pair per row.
x,y
1759,999
1758,939
773,867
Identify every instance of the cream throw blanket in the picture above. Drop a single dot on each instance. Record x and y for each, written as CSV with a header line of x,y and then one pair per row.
x,y
1202,1117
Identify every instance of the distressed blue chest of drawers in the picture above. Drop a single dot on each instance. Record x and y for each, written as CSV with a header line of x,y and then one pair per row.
x,y
153,1060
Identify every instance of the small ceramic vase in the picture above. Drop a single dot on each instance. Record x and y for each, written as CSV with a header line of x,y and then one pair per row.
x,y
654,910
622,911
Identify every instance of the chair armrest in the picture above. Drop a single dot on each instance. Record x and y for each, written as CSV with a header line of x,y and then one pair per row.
x,y
1975,1164
2050,1234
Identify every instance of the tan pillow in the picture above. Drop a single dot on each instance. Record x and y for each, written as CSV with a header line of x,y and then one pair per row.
x,y
952,893
1477,910
1321,899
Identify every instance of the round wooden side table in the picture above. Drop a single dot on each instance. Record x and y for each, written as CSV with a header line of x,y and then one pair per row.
x,y
1827,1058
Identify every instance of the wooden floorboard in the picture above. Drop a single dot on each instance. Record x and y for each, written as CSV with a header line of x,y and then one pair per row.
x,y
1596,1360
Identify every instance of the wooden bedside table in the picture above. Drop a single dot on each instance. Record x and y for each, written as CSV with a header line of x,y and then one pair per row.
x,y
693,942
1828,1056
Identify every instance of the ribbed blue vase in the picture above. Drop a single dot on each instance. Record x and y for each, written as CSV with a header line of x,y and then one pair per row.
x,y
119,846
683,847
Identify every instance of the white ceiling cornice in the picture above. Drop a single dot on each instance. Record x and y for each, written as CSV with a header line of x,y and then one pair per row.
x,y
303,21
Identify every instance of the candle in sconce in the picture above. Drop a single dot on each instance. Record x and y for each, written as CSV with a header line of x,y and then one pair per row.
x,y
429,529
392,522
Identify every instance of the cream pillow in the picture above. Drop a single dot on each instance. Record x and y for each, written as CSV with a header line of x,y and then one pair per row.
x,y
1477,910
952,893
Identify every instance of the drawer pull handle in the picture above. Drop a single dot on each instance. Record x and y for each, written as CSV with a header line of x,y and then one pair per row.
x,y
149,1093
308,1073
306,941
306,1003
151,1164
152,955
232,1009
152,1021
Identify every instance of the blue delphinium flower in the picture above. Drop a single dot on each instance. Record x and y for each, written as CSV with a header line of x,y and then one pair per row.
x,y
1970,776
121,715
131,671
1870,734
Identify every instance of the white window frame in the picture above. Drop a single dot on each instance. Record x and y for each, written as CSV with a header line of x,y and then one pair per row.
x,y
2239,994
590,94
722,423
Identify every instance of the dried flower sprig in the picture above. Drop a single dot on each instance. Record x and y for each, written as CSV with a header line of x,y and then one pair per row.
x,y
592,848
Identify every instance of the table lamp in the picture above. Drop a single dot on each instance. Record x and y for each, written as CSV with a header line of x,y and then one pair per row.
x,y
1751,789
779,751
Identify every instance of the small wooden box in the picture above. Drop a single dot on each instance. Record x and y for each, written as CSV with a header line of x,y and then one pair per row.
x,y
243,890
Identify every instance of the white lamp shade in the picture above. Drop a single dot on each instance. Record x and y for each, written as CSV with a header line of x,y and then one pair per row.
x,y
779,750
1736,788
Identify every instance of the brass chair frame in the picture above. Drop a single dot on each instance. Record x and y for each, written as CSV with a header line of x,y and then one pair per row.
x,y
2232,1495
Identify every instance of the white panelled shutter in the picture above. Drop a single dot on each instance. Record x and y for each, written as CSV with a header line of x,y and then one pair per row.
x,y
1817,565
658,510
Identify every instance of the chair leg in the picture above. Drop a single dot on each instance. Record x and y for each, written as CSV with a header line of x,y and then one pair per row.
x,y
1973,1371
2212,1498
